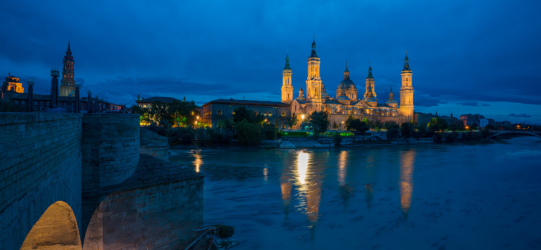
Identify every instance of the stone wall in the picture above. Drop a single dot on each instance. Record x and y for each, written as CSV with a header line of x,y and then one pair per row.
x,y
154,144
156,208
40,164
110,155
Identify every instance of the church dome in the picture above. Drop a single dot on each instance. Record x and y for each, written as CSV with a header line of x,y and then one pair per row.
x,y
342,85
348,84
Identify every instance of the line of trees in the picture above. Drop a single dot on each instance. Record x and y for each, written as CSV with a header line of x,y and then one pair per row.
x,y
175,114
247,127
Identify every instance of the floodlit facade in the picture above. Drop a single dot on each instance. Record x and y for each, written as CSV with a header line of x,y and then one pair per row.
x,y
347,103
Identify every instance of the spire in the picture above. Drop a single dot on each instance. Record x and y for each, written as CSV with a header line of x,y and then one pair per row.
x,y
69,49
287,62
391,89
314,54
346,72
370,70
406,63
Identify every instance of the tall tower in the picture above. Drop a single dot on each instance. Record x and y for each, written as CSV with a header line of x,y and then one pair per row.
x,y
406,91
313,82
287,87
67,85
370,84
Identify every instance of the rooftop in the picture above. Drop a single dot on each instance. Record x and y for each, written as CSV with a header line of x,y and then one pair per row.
x,y
246,102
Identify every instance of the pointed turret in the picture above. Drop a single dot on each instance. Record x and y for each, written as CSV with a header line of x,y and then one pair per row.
x,y
369,72
406,63
287,61
313,54
301,94
69,49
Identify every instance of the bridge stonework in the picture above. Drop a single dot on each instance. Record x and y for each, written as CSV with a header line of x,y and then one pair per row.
x,y
88,169
41,163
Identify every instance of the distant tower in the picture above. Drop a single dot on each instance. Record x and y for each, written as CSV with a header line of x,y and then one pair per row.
x,y
287,87
313,82
67,85
391,102
370,84
301,94
406,91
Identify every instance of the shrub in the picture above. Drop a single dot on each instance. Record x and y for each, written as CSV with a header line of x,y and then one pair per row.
x,y
337,139
392,133
161,130
248,134
181,135
269,131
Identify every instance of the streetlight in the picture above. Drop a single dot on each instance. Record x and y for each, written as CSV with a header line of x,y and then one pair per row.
x,y
302,116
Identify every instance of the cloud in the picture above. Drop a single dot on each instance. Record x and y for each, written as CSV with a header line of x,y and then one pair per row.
x,y
473,104
485,104
520,115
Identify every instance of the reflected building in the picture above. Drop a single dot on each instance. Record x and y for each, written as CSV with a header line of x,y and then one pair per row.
x,y
407,159
345,190
311,188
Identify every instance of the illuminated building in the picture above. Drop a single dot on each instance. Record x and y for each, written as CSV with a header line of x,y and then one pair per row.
x,y
222,109
11,86
67,85
347,102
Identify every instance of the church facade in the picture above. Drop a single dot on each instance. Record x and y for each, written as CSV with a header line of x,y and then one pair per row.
x,y
347,102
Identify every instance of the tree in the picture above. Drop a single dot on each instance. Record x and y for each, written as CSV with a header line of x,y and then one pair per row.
x,y
378,125
242,113
320,122
389,124
291,120
353,124
368,122
334,125
437,124
456,126
269,131
337,139
473,127
406,129
248,134
393,133
183,113
226,124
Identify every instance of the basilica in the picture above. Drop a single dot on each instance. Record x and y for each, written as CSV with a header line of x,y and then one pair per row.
x,y
347,103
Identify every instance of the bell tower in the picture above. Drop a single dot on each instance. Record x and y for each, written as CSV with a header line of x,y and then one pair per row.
x,y
67,84
370,92
287,86
406,91
313,82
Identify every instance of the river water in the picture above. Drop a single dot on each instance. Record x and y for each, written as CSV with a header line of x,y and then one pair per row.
x,y
480,196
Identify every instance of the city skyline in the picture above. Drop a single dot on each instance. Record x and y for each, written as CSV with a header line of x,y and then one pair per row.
x,y
467,58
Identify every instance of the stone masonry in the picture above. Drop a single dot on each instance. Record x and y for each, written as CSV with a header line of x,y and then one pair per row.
x,y
67,176
41,163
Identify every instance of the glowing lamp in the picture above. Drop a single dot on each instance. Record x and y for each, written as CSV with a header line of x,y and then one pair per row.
x,y
302,116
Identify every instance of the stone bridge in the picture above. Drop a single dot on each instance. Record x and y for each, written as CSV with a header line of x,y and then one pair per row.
x,y
501,132
78,181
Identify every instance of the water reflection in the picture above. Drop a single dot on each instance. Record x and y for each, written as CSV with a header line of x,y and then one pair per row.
x,y
302,166
197,162
342,168
407,159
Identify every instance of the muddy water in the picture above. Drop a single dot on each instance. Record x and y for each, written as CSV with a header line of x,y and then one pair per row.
x,y
485,196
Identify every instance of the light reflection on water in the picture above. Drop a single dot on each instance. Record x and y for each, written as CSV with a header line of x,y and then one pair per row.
x,y
365,198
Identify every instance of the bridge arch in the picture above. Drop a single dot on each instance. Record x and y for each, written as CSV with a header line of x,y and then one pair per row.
x,y
56,229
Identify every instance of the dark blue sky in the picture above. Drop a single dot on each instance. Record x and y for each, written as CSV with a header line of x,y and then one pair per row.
x,y
467,56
